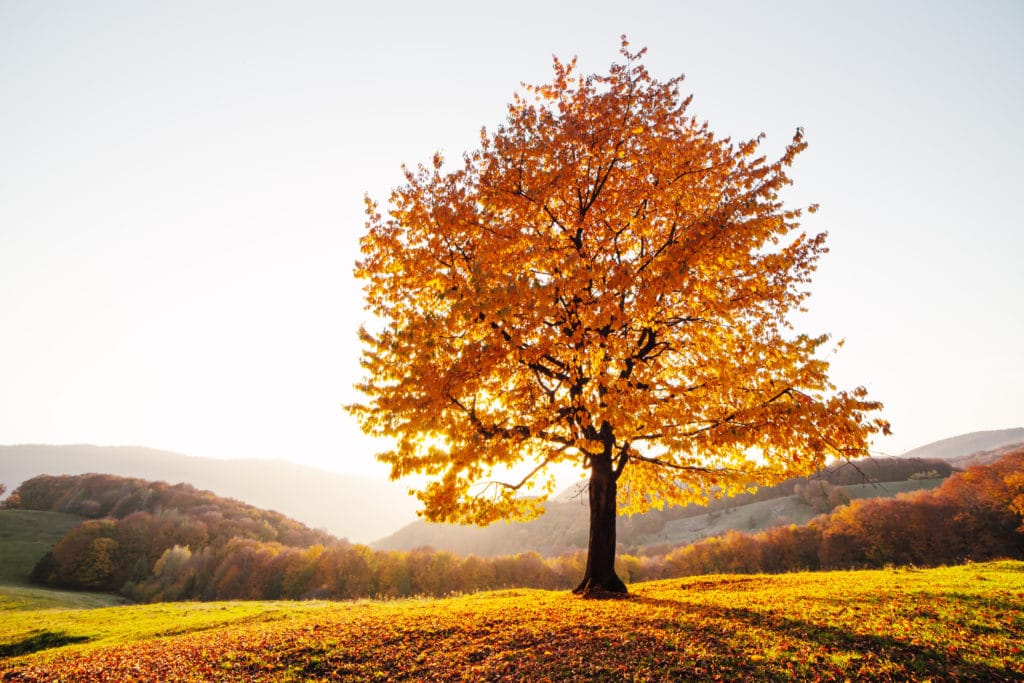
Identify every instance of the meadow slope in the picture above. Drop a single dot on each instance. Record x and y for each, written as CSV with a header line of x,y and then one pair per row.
x,y
958,623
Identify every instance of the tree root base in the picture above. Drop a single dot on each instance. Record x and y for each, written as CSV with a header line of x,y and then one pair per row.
x,y
610,587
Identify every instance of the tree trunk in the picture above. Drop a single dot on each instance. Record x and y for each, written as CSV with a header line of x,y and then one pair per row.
x,y
600,575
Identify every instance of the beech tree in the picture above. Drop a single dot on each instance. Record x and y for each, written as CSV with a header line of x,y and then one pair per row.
x,y
604,282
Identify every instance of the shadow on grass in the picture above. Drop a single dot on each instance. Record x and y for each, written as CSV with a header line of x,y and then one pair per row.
x,y
901,660
654,645
1003,603
40,641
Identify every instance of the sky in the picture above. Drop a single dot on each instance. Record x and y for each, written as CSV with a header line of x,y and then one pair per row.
x,y
181,195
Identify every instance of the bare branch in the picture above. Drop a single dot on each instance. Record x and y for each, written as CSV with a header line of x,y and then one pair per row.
x,y
515,432
623,459
528,477
683,468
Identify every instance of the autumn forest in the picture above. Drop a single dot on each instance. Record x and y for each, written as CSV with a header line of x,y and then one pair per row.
x,y
156,542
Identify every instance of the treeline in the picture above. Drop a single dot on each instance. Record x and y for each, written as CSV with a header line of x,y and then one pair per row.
x,y
155,542
249,570
131,522
152,541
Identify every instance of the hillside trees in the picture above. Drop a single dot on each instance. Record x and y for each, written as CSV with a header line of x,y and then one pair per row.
x,y
606,283
178,543
182,508
134,522
972,516
821,496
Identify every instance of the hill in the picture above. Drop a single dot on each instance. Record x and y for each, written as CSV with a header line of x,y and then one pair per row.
x,y
134,529
563,528
358,508
955,623
975,448
154,542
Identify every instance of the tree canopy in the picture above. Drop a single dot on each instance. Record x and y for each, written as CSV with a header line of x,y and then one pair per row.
x,y
606,282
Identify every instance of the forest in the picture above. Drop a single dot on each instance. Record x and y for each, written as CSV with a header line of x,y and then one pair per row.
x,y
156,542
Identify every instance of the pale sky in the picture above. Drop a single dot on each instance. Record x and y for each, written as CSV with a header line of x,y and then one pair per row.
x,y
181,191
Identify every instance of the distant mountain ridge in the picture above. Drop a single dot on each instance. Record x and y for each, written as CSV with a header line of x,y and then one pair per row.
x,y
975,448
358,508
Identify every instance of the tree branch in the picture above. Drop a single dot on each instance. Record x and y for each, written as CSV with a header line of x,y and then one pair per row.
x,y
683,468
532,473
623,459
515,432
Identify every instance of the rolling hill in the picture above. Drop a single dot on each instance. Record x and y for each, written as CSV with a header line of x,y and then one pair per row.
x,y
152,541
564,527
360,509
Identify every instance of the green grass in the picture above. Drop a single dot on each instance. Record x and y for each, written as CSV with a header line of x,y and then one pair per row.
x,y
18,597
749,518
890,489
957,623
27,535
104,625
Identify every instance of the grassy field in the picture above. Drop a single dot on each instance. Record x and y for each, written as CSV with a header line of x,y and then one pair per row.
x,y
21,598
959,623
890,488
25,536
